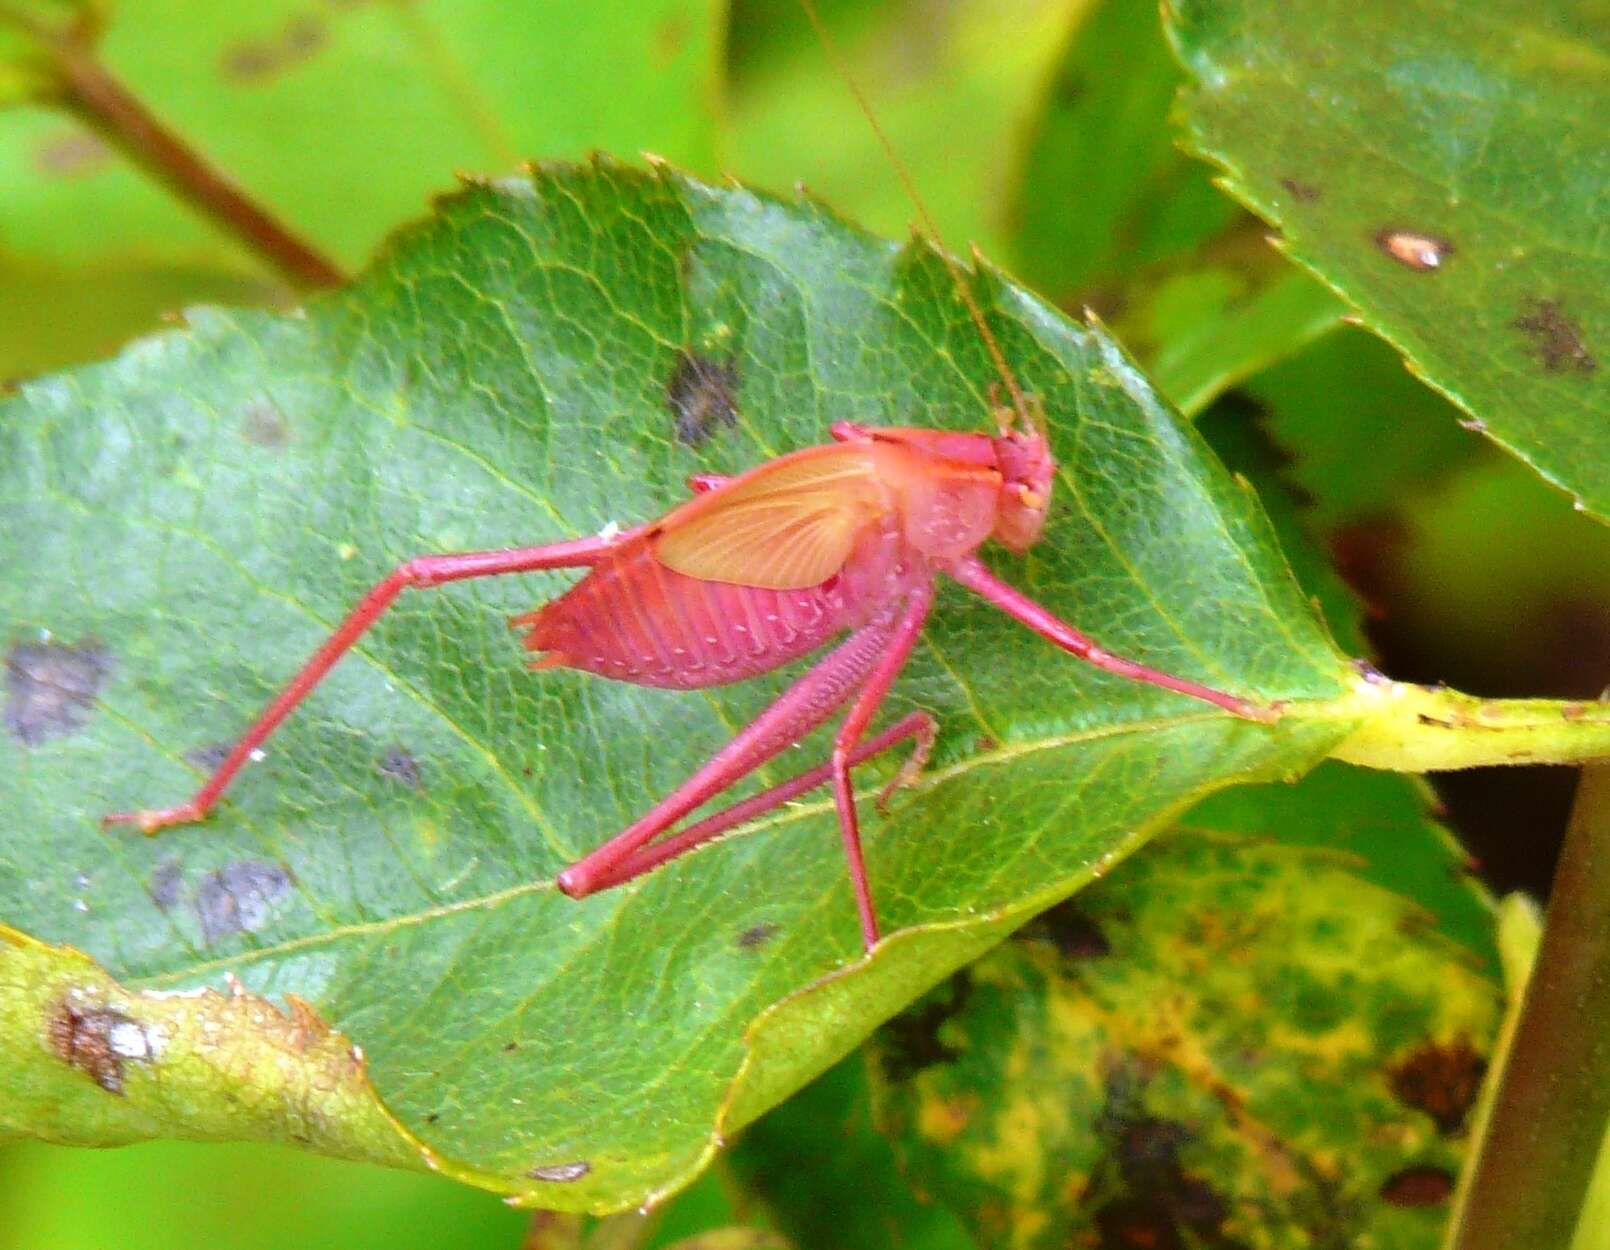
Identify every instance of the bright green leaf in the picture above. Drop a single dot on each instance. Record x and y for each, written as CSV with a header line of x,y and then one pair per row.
x,y
1441,166
189,520
343,120
951,101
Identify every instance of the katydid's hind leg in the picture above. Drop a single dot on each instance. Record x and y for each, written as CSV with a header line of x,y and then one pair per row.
x,y
918,725
860,716
970,572
418,573
795,713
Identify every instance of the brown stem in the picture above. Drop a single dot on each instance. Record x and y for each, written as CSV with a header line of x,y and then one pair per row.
x,y
104,103
1548,1121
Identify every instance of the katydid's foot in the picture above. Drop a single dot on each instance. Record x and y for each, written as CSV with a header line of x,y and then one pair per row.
x,y
149,821
1263,713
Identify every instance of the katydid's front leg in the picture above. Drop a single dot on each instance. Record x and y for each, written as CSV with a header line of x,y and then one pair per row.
x,y
797,711
970,572
418,573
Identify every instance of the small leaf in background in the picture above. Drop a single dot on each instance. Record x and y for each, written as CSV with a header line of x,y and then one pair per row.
x,y
194,515
1102,191
399,96
948,83
1351,390
1229,1042
1110,214
1444,172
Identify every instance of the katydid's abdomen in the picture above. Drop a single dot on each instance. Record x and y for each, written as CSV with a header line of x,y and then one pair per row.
x,y
634,619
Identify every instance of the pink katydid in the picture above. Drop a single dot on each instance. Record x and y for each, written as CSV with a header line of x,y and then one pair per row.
x,y
756,571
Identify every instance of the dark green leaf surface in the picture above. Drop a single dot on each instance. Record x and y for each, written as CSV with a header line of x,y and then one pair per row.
x,y
1442,166
188,521
1228,1043
829,1178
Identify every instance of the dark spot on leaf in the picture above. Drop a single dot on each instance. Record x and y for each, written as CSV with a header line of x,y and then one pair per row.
x,y
984,743
911,1042
401,767
1305,192
208,757
239,897
433,1117
560,1171
167,879
1423,1186
1442,1081
97,1041
670,37
1556,338
1131,1224
72,155
1071,931
51,688
264,425
1424,253
1070,86
255,61
702,397
758,935
1154,1201
510,1047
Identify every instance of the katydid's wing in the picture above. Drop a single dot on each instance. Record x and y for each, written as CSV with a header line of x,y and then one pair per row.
x,y
783,526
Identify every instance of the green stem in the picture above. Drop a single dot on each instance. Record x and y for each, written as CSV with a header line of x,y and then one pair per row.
x,y
1553,1104
1419,729
100,100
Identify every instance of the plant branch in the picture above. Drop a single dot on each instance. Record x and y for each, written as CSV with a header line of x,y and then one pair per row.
x,y
1548,1120
1409,728
99,99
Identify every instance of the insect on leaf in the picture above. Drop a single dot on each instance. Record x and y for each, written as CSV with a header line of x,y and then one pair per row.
x,y
498,378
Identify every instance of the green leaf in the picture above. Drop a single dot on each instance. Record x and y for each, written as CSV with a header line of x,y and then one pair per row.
x,y
1441,168
1226,1043
952,102
1103,191
1111,214
188,521
1348,391
1208,320
342,119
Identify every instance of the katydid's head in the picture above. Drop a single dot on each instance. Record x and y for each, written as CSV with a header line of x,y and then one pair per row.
x,y
1023,456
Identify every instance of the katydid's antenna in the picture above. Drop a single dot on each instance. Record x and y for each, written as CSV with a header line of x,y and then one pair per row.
x,y
1019,403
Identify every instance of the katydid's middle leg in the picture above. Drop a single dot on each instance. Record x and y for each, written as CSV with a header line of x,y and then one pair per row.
x,y
862,711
